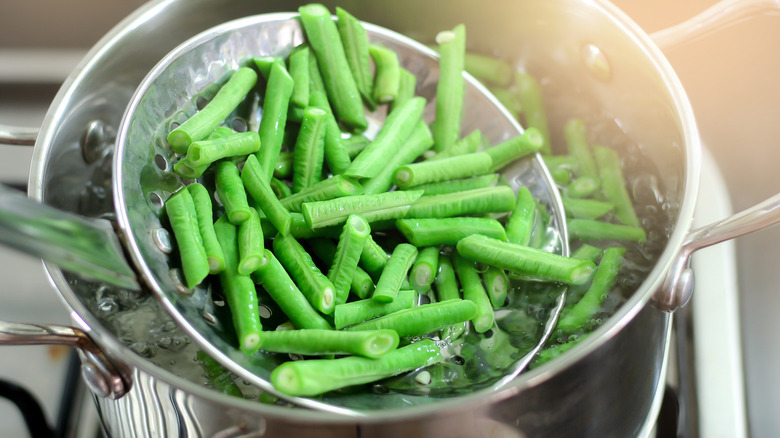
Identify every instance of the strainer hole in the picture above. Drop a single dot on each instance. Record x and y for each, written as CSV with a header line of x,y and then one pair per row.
x,y
178,280
209,318
156,200
265,311
201,102
161,162
238,125
162,239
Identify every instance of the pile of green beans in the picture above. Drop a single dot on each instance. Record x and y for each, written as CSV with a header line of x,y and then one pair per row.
x,y
370,248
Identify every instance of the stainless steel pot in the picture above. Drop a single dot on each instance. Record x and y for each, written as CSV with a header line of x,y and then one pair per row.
x,y
609,385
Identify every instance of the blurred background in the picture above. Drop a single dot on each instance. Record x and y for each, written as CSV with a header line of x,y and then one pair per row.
x,y
731,78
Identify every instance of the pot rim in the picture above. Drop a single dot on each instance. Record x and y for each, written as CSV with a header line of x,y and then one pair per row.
x,y
479,399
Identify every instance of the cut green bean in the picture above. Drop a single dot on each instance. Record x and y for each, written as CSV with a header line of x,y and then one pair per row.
x,y
418,142
281,288
183,218
390,205
421,320
300,230
466,145
458,185
259,189
331,188
373,258
309,152
314,285
394,273
448,231
587,252
272,125
316,342
496,285
613,185
362,286
407,88
473,290
280,188
446,169
315,77
345,261
239,290
488,68
532,101
356,48
509,99
205,152
204,212
305,377
202,123
336,155
398,127
520,224
582,187
230,190
298,67
594,230
515,148
219,377
424,269
355,312
586,208
264,64
446,283
250,244
355,144
188,170
526,261
450,90
284,168
590,303
387,77
480,201
576,136
324,39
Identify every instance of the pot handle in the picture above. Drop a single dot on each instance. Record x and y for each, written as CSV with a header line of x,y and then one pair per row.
x,y
101,375
18,136
86,246
718,16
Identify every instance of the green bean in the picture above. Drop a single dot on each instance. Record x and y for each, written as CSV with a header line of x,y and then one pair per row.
x,y
284,168
390,205
594,230
448,231
276,104
394,272
315,77
264,64
590,303
305,377
586,208
520,224
336,155
298,67
418,142
202,123
398,126
250,244
613,185
577,143
281,288
509,99
230,190
466,145
314,285
355,312
356,48
407,88
473,290
450,90
551,352
183,218
424,269
315,342
582,187
421,320
186,169
361,286
496,285
355,144
331,188
515,148
587,252
239,290
204,213
488,200
219,377
345,261
446,283
532,101
205,152
387,76
309,152
373,258
566,162
323,36
299,229
259,189
488,68
458,185
584,252
527,261
280,188
446,169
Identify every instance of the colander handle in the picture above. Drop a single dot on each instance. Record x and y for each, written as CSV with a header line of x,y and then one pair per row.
x,y
18,136
85,246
